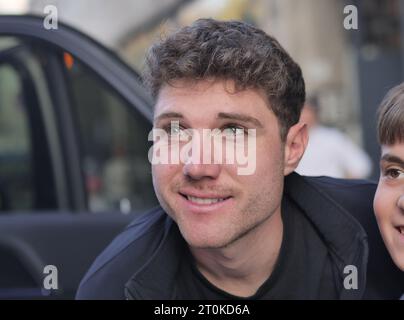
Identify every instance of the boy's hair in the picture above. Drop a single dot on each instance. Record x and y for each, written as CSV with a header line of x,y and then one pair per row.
x,y
390,125
230,50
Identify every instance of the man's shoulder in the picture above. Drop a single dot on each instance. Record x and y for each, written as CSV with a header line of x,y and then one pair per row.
x,y
331,184
355,196
127,253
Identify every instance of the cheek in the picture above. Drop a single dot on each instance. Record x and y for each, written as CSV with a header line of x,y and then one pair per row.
x,y
383,202
270,158
268,171
162,174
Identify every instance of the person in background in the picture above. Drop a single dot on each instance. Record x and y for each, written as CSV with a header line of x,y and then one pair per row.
x,y
389,198
330,152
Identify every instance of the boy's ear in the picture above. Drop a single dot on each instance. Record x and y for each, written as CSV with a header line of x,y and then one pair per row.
x,y
295,145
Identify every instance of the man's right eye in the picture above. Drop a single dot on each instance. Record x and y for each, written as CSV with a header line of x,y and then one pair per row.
x,y
172,128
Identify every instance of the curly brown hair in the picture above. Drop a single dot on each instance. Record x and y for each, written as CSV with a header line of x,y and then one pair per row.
x,y
230,50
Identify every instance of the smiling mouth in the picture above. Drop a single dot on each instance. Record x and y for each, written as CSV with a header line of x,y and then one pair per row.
x,y
204,201
401,230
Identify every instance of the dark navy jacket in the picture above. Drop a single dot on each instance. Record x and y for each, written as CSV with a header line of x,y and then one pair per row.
x,y
142,262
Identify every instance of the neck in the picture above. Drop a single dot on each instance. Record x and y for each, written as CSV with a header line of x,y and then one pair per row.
x,y
243,266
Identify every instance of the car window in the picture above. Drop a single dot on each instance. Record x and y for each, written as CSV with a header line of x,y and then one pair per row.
x,y
16,190
111,133
114,143
26,177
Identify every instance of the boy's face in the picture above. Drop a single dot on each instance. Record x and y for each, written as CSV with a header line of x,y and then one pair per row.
x,y
389,201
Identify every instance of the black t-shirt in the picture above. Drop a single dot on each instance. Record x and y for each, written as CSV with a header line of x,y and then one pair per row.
x,y
303,269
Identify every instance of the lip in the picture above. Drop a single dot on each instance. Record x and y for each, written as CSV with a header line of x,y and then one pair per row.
x,y
204,207
399,229
197,194
400,235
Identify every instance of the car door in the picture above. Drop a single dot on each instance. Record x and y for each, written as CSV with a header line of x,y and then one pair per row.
x,y
74,124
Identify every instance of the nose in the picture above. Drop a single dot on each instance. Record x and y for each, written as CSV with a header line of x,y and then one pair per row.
x,y
200,162
400,203
200,171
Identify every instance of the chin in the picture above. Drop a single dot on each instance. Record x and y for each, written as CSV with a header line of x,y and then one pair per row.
x,y
399,261
205,242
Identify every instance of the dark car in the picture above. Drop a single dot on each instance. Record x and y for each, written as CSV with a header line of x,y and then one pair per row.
x,y
74,125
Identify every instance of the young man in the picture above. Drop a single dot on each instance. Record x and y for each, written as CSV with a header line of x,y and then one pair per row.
x,y
389,198
220,234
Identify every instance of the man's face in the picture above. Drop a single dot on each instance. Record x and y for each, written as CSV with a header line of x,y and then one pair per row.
x,y
389,201
212,204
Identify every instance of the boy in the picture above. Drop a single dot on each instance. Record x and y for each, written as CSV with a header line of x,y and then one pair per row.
x,y
389,198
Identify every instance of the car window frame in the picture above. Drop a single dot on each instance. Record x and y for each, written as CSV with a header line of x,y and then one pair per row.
x,y
103,62
38,137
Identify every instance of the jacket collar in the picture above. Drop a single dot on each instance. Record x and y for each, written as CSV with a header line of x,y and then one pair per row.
x,y
341,232
343,235
156,279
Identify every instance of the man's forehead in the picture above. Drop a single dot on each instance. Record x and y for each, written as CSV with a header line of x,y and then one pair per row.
x,y
209,98
192,87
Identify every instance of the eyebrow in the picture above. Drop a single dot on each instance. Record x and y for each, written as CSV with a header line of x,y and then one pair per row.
x,y
221,115
168,115
240,117
393,159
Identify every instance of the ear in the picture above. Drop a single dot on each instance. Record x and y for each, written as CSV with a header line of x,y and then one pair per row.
x,y
295,145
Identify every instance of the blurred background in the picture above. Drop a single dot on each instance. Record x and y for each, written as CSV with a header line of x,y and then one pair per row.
x,y
74,120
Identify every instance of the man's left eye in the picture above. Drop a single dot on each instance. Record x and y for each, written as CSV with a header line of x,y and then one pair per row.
x,y
233,130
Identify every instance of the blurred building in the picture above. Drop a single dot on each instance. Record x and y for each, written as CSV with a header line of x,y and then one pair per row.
x,y
379,52
108,21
